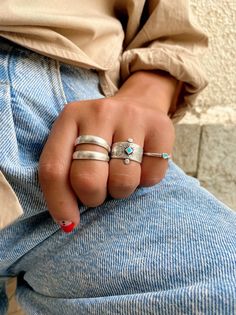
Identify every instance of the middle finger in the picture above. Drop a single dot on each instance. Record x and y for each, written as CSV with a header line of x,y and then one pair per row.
x,y
125,178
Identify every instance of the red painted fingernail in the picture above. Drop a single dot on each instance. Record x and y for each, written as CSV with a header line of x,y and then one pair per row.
x,y
66,226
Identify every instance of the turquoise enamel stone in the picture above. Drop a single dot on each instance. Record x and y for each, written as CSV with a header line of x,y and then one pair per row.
x,y
165,156
129,150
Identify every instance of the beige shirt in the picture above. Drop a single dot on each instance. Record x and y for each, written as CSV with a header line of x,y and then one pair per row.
x,y
116,37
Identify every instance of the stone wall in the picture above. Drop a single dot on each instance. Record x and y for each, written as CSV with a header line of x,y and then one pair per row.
x,y
206,137
208,152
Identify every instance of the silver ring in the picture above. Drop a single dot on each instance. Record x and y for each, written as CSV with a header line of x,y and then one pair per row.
x,y
128,151
163,155
90,155
93,140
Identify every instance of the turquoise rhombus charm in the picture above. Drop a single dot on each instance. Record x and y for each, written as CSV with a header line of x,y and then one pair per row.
x,y
129,150
165,156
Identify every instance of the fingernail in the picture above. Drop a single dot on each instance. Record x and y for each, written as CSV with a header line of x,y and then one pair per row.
x,y
66,226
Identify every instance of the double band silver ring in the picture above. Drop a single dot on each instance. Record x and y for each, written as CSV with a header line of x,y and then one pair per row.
x,y
92,155
89,139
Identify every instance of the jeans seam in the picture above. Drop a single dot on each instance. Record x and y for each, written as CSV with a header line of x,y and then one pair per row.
x,y
8,80
9,74
59,81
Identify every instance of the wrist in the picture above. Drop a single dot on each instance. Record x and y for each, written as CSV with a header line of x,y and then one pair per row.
x,y
157,89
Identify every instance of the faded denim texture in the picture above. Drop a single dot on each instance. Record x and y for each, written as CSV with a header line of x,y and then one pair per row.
x,y
167,249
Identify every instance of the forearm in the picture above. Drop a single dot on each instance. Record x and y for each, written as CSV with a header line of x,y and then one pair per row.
x,y
157,88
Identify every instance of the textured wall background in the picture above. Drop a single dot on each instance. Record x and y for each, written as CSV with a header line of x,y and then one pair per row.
x,y
206,137
217,103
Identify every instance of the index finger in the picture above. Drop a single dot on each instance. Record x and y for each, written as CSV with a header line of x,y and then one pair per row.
x,y
54,168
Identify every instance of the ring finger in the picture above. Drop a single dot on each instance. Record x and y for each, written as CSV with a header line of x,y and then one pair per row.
x,y
154,168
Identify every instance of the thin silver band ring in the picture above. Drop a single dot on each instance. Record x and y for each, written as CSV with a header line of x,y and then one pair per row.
x,y
90,139
163,155
90,155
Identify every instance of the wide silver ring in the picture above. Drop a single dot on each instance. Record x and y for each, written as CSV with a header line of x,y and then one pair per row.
x,y
163,155
89,139
90,155
128,151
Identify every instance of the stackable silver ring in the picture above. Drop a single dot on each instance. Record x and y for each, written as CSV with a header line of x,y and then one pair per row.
x,y
89,139
128,151
90,155
163,155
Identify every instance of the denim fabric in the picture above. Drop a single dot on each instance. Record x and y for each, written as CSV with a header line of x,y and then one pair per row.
x,y
167,249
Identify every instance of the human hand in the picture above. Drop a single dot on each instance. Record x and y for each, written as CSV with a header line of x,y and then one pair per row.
x,y
115,119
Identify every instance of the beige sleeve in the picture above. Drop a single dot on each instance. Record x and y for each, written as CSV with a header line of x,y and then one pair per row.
x,y
9,204
171,40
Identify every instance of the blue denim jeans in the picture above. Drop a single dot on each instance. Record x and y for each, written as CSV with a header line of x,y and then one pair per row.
x,y
167,249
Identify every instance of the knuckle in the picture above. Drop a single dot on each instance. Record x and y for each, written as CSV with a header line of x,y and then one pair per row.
x,y
93,203
86,183
103,108
102,105
123,183
112,108
148,182
163,122
70,107
51,171
68,110
132,111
